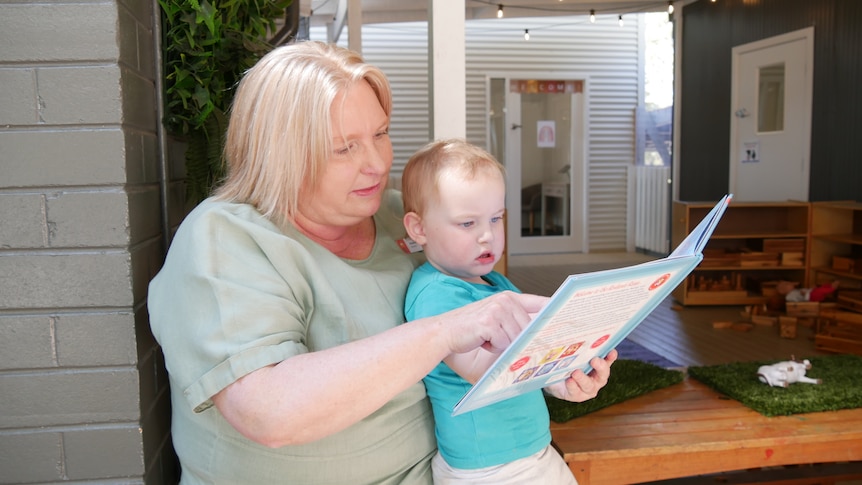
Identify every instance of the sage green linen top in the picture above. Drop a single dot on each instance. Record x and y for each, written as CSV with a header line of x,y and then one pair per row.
x,y
236,294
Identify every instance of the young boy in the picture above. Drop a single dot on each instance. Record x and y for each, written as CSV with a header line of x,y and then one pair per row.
x,y
454,202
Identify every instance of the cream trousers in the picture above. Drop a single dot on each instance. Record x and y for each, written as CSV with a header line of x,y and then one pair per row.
x,y
543,468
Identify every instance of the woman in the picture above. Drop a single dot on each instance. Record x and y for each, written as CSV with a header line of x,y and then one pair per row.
x,y
280,302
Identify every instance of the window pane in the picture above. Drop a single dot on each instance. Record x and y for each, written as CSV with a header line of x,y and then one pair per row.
x,y
770,116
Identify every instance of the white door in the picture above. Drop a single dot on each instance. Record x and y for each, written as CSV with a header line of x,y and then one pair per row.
x,y
770,127
541,130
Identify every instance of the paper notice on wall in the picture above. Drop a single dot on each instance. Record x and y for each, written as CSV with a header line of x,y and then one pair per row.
x,y
750,152
546,133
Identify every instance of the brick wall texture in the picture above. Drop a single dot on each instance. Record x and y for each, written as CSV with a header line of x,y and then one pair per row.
x,y
83,391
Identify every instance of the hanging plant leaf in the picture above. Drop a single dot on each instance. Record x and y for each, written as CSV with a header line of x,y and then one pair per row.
x,y
208,46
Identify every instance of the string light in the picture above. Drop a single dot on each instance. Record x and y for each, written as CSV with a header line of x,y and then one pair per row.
x,y
670,10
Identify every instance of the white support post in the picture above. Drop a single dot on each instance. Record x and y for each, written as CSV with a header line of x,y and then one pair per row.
x,y
447,68
354,25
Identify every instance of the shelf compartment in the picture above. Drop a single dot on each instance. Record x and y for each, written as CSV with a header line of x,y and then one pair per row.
x,y
836,243
754,242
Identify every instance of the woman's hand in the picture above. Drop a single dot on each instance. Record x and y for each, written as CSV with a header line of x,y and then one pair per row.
x,y
491,323
580,387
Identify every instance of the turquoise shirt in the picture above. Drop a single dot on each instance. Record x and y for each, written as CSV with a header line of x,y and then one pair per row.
x,y
237,293
492,435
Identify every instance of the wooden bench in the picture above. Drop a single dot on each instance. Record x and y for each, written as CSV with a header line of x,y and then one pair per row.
x,y
688,429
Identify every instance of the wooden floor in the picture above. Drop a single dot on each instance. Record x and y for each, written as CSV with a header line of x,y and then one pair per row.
x,y
683,335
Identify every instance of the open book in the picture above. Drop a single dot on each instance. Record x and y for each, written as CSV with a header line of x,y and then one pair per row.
x,y
587,316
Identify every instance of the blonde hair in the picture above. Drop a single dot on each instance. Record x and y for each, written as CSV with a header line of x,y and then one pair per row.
x,y
279,137
420,182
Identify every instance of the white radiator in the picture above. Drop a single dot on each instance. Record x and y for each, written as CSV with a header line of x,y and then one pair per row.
x,y
652,209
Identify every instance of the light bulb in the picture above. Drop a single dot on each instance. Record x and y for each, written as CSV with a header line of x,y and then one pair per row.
x,y
500,11
670,6
592,16
621,20
526,34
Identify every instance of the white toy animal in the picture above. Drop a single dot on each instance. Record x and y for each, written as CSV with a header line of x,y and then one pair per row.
x,y
785,373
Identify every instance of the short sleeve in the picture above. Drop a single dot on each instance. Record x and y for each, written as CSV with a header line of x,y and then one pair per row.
x,y
432,292
429,302
221,307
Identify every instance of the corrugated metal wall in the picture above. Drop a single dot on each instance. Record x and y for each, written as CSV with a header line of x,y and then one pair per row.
x,y
608,56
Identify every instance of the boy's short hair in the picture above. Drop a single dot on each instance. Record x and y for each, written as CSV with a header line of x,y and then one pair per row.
x,y
420,182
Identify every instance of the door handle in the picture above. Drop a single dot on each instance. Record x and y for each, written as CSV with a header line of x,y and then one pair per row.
x,y
742,113
515,126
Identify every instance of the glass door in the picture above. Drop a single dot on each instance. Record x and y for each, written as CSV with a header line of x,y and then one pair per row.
x,y
537,130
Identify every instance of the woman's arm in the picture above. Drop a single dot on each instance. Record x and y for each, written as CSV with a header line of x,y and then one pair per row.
x,y
311,396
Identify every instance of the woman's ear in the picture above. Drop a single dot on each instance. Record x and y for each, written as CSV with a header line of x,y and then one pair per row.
x,y
415,228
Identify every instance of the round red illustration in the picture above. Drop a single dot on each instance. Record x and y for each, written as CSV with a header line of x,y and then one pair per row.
x,y
660,281
519,363
601,340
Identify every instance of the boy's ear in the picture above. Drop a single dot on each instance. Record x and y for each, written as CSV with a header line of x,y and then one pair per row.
x,y
415,228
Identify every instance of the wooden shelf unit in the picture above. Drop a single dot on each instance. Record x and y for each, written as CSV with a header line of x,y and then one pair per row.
x,y
754,243
836,232
836,254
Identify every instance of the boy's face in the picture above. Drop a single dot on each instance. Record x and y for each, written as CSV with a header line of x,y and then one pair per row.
x,y
462,232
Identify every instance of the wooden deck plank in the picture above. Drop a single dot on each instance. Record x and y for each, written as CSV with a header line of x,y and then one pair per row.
x,y
670,439
721,420
644,444
637,469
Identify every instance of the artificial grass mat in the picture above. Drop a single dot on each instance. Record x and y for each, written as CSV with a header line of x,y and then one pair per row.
x,y
629,378
841,387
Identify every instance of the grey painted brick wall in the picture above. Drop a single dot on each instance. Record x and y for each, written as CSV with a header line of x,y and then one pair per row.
x,y
83,390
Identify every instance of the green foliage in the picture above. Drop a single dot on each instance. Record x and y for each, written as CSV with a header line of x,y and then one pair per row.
x,y
208,46
629,379
841,387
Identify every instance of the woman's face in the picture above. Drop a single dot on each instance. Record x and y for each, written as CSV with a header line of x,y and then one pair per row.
x,y
351,186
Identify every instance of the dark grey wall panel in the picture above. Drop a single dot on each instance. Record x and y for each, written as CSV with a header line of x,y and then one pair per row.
x,y
711,30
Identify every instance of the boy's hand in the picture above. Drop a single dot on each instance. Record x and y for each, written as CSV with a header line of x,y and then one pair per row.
x,y
580,387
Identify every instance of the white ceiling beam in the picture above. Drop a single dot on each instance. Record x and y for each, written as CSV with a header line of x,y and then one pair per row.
x,y
384,11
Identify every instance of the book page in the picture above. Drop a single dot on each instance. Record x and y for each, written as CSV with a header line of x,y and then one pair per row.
x,y
588,316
